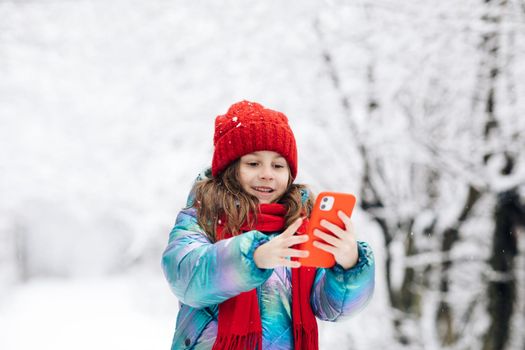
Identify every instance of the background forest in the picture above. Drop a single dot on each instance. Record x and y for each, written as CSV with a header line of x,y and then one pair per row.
x,y
106,118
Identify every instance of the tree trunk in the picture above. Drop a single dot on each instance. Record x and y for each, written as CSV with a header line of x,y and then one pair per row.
x,y
444,317
502,284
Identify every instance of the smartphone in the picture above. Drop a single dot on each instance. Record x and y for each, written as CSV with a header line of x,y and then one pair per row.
x,y
326,207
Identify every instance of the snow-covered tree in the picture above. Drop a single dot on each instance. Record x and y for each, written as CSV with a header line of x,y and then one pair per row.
x,y
428,99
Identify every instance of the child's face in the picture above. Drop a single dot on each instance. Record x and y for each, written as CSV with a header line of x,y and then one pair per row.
x,y
264,174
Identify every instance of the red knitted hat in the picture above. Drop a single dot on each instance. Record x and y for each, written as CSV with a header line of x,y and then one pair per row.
x,y
249,127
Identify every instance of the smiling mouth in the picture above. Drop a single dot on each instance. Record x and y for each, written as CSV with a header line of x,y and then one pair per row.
x,y
263,189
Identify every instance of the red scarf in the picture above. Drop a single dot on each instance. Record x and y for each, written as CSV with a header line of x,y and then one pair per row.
x,y
239,318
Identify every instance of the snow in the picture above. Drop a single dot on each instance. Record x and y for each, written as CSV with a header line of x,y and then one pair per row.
x,y
136,310
99,313
106,118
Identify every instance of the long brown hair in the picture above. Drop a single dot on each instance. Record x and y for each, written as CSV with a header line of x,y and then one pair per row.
x,y
223,198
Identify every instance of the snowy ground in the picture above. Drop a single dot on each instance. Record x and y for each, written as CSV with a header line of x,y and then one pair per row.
x,y
137,311
116,313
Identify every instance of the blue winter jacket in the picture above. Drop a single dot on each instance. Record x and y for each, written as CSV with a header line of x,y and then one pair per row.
x,y
202,274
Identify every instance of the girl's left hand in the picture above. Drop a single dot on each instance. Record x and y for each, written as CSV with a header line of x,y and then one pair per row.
x,y
342,244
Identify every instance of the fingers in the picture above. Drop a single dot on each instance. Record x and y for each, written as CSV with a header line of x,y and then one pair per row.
x,y
292,229
345,218
349,226
326,247
336,230
291,241
296,253
289,263
327,237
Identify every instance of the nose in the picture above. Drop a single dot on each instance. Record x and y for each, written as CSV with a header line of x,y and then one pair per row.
x,y
266,172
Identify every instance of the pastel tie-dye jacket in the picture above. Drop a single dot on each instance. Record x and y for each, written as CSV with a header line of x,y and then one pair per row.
x,y
202,275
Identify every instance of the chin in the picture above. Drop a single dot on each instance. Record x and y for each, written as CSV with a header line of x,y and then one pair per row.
x,y
264,201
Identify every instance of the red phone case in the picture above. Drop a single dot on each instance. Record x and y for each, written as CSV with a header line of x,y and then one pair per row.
x,y
338,201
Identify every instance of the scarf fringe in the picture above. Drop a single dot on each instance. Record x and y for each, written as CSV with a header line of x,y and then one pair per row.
x,y
251,341
305,339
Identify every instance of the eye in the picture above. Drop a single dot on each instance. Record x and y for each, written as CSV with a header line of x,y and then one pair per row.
x,y
279,166
252,164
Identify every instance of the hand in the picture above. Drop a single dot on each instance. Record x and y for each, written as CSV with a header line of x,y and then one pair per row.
x,y
342,244
276,251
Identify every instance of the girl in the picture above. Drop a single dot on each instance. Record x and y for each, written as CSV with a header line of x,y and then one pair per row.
x,y
231,260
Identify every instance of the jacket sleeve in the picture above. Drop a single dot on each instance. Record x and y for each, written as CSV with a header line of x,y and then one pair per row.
x,y
339,293
202,274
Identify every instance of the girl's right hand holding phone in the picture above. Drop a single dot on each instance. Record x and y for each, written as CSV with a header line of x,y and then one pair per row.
x,y
276,252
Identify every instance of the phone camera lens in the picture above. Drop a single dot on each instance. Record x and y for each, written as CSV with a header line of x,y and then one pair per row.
x,y
325,199
323,206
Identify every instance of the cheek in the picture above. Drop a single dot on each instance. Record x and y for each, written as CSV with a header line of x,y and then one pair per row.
x,y
283,181
244,178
